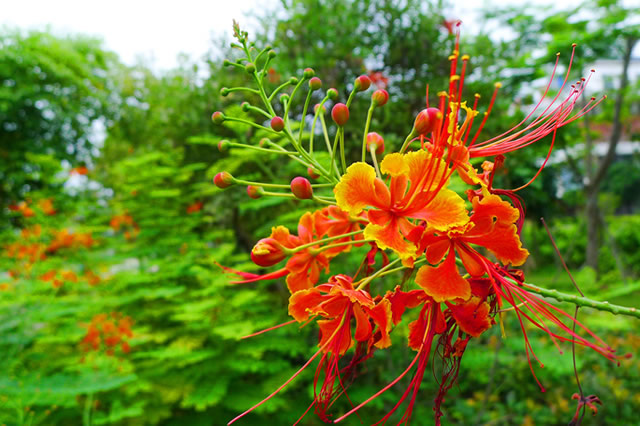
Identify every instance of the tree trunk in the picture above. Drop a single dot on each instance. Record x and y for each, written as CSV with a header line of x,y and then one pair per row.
x,y
592,187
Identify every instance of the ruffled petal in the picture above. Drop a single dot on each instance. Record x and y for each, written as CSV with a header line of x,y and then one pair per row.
x,y
303,303
444,281
401,300
360,188
394,165
446,211
363,326
381,316
340,338
472,316
389,236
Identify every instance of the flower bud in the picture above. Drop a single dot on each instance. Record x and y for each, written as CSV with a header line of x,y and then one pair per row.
x,y
379,97
362,83
218,117
223,180
277,124
245,106
224,145
293,80
301,188
271,53
315,84
227,63
267,252
427,120
340,114
316,106
284,98
224,91
250,68
263,142
375,142
255,192
312,173
308,73
332,94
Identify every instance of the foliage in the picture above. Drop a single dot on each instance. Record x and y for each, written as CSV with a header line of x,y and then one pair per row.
x,y
158,227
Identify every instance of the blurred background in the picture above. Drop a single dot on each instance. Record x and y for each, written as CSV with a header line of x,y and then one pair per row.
x,y
112,307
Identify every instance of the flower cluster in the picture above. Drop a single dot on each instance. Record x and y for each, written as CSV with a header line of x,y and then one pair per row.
x,y
463,246
108,332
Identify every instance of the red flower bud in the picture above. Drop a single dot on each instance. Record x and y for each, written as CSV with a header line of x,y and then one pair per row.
x,y
340,114
332,94
223,180
376,142
224,145
267,252
380,97
308,73
277,124
427,120
315,84
255,192
218,117
301,188
312,173
362,83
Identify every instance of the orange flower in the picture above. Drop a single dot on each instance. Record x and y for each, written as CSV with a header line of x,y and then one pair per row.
x,y
491,226
195,207
417,190
80,170
46,205
337,302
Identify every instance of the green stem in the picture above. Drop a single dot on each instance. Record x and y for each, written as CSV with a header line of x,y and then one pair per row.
x,y
375,161
257,148
333,156
366,132
250,123
259,111
378,273
278,89
407,141
278,194
304,115
265,185
243,89
313,125
583,301
86,415
323,201
342,156
325,133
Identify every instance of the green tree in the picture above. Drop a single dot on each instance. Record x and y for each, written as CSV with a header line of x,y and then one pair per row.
x,y
53,92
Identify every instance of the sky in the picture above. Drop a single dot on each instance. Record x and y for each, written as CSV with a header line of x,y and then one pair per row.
x,y
157,30
160,30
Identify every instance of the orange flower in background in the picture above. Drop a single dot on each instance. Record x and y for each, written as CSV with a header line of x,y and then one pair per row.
x,y
80,170
22,208
108,332
195,207
92,279
33,232
417,190
126,222
46,205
